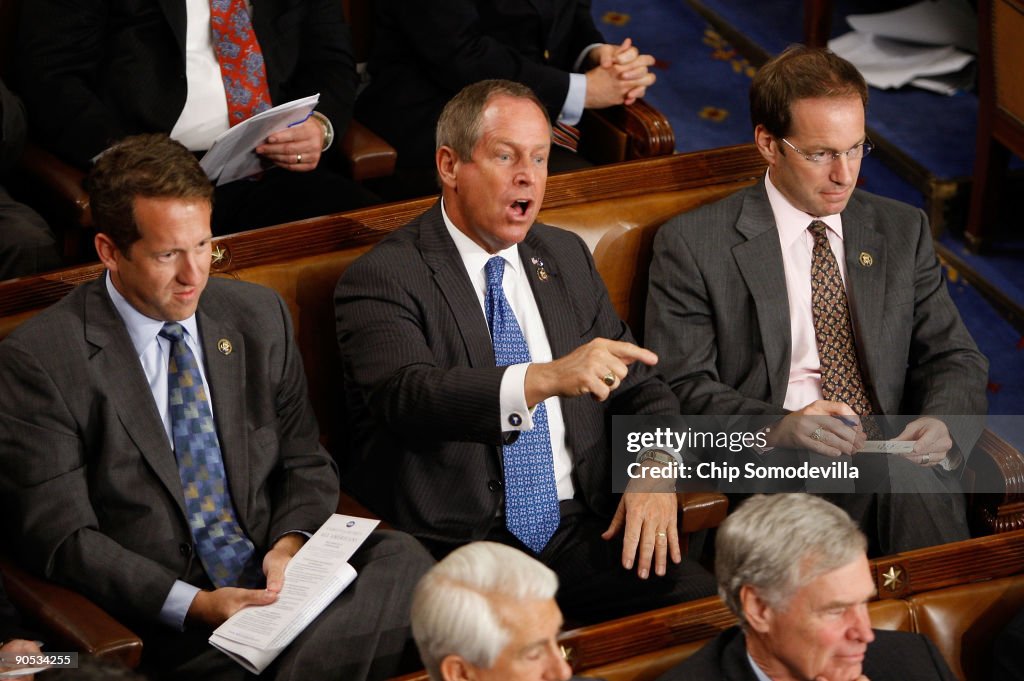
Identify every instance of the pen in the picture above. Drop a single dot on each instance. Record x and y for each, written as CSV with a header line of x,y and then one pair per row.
x,y
847,420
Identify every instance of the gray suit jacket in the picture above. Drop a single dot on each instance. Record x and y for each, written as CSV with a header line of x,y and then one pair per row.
x,y
423,392
895,655
718,313
88,470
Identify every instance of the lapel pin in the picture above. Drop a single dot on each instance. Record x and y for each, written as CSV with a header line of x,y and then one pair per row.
x,y
866,260
542,273
225,347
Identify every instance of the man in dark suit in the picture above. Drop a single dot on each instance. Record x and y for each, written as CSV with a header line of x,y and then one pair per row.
x,y
159,451
552,46
93,72
793,569
454,440
807,299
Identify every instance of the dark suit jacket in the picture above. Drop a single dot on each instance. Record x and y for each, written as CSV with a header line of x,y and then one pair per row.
x,y
87,465
94,71
425,52
718,313
895,655
423,392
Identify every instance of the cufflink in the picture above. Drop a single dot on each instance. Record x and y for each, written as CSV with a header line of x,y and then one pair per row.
x,y
515,420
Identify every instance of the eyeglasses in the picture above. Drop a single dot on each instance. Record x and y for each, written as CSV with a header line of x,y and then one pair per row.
x,y
822,157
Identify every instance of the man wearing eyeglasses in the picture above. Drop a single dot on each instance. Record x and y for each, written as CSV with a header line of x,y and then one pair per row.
x,y
805,299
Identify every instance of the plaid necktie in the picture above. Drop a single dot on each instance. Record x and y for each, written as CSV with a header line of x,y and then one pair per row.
x,y
841,379
531,500
240,59
226,553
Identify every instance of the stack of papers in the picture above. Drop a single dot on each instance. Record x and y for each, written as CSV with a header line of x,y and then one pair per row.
x,y
927,45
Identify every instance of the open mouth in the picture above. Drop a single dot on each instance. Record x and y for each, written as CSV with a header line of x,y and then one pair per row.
x,y
522,205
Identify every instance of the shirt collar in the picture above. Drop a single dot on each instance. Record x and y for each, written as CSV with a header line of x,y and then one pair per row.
x,y
792,222
143,330
473,255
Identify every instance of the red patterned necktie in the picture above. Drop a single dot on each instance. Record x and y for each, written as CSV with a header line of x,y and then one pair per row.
x,y
565,135
240,58
841,378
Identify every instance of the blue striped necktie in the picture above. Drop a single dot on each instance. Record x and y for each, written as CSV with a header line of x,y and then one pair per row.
x,y
228,556
531,500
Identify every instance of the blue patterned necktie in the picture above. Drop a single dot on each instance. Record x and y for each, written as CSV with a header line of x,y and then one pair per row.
x,y
226,553
531,500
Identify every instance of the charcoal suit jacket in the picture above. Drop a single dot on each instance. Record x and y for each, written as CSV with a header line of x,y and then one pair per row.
x,y
893,655
718,313
422,390
425,52
88,471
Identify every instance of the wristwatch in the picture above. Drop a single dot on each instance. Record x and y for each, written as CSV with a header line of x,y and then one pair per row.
x,y
659,455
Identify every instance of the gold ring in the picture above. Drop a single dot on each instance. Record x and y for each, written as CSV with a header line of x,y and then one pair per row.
x,y
818,434
926,458
298,158
609,379
662,534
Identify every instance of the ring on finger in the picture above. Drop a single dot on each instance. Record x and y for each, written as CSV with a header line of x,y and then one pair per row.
x,y
926,458
609,379
818,434
661,535
298,158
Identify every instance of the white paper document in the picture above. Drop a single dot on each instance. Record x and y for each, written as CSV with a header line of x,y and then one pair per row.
x,y
929,22
233,154
887,447
887,63
256,635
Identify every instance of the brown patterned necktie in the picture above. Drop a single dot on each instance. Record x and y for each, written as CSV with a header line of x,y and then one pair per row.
x,y
841,379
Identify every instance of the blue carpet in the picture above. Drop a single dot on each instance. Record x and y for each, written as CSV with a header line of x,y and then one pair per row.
x,y
702,88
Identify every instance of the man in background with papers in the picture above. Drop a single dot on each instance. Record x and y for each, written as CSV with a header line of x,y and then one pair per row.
x,y
93,72
158,448
808,299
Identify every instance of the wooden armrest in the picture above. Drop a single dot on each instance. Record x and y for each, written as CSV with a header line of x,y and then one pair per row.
x,y
701,510
368,155
624,133
996,471
62,182
69,620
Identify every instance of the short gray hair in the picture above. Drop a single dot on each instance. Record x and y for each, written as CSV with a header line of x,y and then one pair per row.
x,y
453,609
776,542
461,122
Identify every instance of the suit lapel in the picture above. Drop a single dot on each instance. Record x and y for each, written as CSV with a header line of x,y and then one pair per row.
x,y
126,387
443,258
552,298
174,10
865,281
759,260
225,373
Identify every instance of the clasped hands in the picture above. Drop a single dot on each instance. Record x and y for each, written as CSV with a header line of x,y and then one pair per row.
x,y
833,428
619,75
212,608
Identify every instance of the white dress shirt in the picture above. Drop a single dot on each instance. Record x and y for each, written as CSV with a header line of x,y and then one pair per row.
x,y
206,106
517,289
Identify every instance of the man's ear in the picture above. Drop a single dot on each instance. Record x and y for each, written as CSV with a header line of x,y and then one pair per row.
x,y
454,668
763,140
108,252
756,610
447,166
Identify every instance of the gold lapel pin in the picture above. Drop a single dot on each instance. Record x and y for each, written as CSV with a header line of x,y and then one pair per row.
x,y
866,260
542,273
225,347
